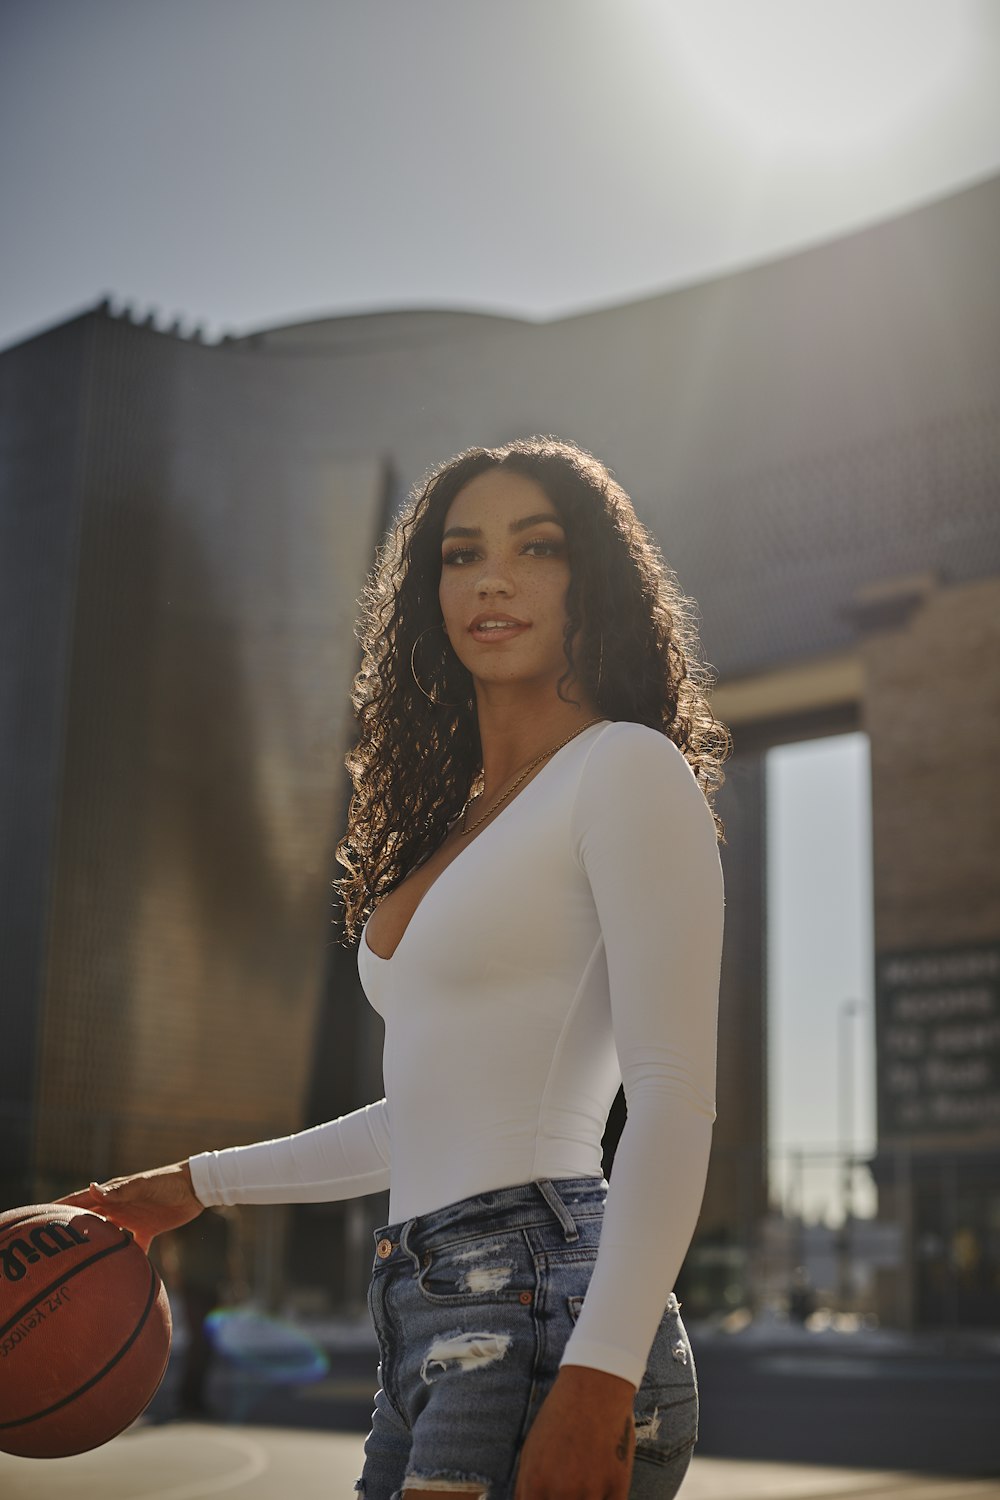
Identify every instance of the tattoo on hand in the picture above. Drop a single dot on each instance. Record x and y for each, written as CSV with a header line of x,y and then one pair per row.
x,y
622,1448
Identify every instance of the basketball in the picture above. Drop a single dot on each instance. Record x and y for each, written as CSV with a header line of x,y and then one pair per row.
x,y
84,1330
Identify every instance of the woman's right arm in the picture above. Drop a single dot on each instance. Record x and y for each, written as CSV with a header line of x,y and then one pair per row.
x,y
345,1158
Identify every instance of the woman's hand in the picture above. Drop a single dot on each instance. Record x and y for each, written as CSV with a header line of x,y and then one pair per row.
x,y
582,1442
147,1204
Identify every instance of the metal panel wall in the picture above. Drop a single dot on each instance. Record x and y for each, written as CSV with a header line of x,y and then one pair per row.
x,y
42,432
208,715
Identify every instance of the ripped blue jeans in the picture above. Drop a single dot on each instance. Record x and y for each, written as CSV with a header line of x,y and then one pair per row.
x,y
472,1306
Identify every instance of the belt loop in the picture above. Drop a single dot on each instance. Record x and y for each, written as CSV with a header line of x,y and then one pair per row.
x,y
558,1207
404,1242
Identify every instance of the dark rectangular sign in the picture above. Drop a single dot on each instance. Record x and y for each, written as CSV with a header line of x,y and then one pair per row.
x,y
938,1040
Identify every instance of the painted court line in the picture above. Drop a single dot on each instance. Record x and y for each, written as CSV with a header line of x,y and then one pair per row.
x,y
256,1463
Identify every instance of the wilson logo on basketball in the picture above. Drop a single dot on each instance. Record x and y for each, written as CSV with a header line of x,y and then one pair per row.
x,y
47,1240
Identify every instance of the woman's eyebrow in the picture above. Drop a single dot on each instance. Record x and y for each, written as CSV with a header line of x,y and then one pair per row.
x,y
521,525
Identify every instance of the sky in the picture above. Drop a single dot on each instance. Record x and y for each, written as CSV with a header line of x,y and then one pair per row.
x,y
234,164
820,964
239,163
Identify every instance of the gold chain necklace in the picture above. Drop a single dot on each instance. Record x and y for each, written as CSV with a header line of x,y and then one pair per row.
x,y
526,772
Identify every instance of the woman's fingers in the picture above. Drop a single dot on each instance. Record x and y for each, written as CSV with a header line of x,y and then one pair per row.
x,y
85,1198
98,1202
146,1204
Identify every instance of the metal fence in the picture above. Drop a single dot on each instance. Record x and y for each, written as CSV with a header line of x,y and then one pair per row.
x,y
902,1239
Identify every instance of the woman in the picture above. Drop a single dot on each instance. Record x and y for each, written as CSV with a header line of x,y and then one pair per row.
x,y
532,714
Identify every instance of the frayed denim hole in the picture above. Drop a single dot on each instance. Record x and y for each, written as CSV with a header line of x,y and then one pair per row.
x,y
462,1484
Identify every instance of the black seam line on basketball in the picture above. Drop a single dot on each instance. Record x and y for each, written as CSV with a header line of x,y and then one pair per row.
x,y
37,1416
61,1281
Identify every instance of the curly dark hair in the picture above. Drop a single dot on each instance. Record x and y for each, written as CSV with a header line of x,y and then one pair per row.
x,y
417,761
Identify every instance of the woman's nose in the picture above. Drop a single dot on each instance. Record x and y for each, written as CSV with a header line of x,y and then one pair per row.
x,y
493,581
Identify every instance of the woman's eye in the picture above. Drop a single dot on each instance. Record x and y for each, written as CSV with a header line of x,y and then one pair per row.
x,y
540,547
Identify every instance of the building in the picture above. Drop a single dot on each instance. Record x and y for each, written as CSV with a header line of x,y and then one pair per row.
x,y
185,530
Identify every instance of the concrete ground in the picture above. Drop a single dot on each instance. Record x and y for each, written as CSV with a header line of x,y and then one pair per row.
x,y
185,1461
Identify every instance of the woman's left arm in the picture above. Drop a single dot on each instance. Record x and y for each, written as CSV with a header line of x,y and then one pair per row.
x,y
647,841
646,838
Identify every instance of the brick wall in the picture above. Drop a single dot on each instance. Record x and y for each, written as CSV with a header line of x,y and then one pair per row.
x,y
932,709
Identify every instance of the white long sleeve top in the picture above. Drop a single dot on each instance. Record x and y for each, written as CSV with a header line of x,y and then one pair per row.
x,y
575,943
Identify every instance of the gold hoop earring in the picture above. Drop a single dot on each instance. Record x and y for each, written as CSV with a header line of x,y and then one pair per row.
x,y
600,666
438,702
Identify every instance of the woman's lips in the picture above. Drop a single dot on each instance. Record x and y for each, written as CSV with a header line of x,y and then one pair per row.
x,y
499,632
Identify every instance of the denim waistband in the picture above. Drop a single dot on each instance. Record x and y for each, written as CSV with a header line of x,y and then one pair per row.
x,y
561,1200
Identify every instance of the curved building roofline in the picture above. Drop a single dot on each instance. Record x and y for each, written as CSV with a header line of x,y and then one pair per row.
x,y
386,329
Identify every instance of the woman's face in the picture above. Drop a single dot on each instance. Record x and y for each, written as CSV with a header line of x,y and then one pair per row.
x,y
504,560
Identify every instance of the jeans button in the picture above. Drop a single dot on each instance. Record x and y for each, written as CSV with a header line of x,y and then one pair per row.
x,y
384,1248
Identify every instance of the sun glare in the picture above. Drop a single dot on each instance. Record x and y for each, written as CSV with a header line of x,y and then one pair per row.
x,y
808,74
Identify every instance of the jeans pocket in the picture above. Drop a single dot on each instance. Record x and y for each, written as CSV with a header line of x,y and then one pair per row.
x,y
666,1404
490,1268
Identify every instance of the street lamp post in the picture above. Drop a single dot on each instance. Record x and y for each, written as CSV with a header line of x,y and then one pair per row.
x,y
845,1130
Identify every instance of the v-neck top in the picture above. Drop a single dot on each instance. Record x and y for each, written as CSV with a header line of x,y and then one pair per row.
x,y
574,944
